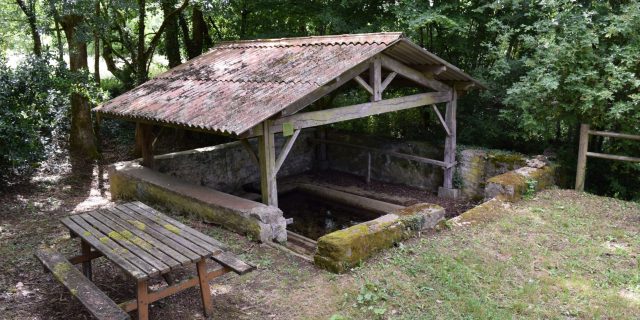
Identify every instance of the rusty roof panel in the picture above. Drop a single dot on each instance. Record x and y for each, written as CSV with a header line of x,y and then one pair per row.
x,y
237,85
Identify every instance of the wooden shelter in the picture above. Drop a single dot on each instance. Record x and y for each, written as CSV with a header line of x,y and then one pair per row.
x,y
259,88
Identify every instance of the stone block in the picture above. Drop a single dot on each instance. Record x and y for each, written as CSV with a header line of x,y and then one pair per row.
x,y
511,186
448,193
261,222
343,249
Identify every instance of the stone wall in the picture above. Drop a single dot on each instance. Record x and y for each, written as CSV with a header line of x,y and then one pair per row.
x,y
385,167
476,166
228,167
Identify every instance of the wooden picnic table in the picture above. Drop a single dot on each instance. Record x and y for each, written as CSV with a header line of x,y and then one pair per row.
x,y
145,243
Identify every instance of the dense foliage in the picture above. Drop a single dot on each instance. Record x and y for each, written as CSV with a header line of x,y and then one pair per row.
x,y
549,65
33,103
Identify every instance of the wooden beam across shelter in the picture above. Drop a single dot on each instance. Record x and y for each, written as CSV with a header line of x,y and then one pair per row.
x,y
324,117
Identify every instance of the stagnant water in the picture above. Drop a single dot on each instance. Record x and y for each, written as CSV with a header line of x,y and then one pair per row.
x,y
314,217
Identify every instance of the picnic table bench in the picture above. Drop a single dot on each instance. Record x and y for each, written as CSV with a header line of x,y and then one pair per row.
x,y
143,243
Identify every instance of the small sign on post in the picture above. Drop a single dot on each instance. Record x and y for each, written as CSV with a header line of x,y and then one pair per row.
x,y
287,129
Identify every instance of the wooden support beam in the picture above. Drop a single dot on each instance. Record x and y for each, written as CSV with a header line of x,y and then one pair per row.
x,y
375,79
612,157
444,123
363,84
387,81
614,135
326,89
412,74
583,149
249,148
319,118
450,141
144,140
368,179
435,70
267,152
285,151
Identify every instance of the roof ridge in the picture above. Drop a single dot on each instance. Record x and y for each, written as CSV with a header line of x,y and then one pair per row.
x,y
398,34
230,46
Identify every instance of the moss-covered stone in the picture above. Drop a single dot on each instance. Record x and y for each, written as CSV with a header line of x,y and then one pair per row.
x,y
512,185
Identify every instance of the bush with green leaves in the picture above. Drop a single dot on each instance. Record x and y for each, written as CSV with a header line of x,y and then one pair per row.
x,y
33,104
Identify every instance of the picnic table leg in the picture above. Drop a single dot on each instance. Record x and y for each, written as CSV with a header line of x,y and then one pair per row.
x,y
143,300
85,250
205,292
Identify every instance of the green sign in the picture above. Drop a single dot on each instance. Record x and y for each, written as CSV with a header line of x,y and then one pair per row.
x,y
287,129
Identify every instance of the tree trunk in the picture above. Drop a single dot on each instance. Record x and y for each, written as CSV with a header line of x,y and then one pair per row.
x,y
82,139
141,60
96,49
171,43
30,11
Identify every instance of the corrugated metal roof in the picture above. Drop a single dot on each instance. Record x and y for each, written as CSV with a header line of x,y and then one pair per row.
x,y
237,85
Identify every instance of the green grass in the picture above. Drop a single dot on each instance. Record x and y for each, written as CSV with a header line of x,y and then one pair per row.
x,y
559,255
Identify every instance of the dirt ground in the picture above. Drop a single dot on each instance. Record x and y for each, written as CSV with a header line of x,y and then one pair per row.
x,y
29,219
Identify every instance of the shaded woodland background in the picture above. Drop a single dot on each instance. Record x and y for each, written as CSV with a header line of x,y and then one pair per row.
x,y
548,65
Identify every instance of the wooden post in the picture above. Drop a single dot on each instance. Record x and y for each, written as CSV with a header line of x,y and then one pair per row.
x,y
85,249
144,140
143,300
582,157
267,153
368,167
205,292
450,141
375,79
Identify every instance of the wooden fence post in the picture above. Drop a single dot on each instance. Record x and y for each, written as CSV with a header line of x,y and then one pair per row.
x,y
582,157
144,140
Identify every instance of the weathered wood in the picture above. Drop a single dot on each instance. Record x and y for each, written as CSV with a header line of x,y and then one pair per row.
x,y
450,141
285,151
126,214
143,300
232,262
612,157
582,157
363,84
444,123
375,79
131,234
268,186
326,89
324,117
91,297
121,238
614,135
184,227
249,148
368,178
170,230
387,81
321,150
144,140
85,249
412,74
391,153
159,249
205,292
106,246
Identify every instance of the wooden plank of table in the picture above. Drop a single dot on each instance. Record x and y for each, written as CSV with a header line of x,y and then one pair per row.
x,y
126,239
92,236
159,249
135,256
166,232
124,214
201,236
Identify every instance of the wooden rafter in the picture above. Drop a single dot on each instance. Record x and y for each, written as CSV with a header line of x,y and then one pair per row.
x,y
285,151
323,117
387,80
412,74
363,84
444,124
431,71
